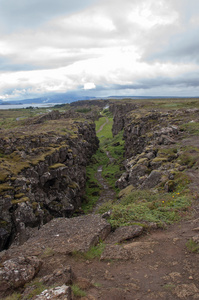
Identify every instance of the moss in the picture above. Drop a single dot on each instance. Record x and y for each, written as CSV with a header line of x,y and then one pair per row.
x,y
34,205
21,200
73,185
143,160
5,187
13,178
160,159
56,166
18,196
126,191
3,175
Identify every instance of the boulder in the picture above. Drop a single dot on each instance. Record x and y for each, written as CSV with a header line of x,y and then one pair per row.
x,y
60,292
153,179
16,272
65,235
59,276
124,233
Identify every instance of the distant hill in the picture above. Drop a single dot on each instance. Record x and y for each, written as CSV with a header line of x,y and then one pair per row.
x,y
62,98
57,98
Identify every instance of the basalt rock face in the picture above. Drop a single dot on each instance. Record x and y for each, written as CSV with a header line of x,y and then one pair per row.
x,y
144,128
119,112
43,173
153,158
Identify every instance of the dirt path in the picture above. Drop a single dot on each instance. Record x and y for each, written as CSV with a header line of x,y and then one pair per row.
x,y
102,126
107,193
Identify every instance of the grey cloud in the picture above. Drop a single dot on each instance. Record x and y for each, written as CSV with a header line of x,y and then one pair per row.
x,y
188,80
22,13
180,48
19,62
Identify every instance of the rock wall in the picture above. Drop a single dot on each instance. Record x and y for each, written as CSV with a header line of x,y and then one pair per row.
x,y
119,111
43,174
152,157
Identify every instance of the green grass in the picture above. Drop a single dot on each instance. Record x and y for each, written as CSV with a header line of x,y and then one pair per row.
x,y
191,128
92,187
145,205
106,133
37,288
111,170
92,253
77,291
192,246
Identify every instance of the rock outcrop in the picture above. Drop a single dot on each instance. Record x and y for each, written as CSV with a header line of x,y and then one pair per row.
x,y
153,158
64,235
119,112
43,172
14,273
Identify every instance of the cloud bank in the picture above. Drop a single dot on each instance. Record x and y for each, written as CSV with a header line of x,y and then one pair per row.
x,y
128,47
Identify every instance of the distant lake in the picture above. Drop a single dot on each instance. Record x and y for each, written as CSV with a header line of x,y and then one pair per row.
x,y
14,106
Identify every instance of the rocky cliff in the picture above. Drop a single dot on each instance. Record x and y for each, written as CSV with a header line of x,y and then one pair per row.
x,y
119,111
43,172
155,147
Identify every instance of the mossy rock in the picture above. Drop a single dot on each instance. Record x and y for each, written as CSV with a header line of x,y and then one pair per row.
x,y
170,186
18,196
126,191
3,175
143,161
5,187
21,200
73,185
160,159
56,166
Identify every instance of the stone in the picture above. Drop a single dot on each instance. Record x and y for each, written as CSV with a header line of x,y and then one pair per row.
x,y
196,238
16,272
65,235
59,276
124,233
186,290
133,250
153,179
60,292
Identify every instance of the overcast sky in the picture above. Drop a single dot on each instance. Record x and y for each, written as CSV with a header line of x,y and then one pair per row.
x,y
102,47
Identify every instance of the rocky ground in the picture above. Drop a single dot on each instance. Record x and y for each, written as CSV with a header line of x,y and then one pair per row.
x,y
154,265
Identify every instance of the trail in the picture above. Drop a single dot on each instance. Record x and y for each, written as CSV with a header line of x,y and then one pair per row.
x,y
107,193
102,126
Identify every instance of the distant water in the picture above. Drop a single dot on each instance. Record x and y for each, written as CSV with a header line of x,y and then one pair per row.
x,y
14,106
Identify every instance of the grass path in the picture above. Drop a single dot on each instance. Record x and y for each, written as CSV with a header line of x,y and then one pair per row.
x,y
104,169
102,126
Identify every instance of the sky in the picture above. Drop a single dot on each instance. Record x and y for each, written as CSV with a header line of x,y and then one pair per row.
x,y
99,48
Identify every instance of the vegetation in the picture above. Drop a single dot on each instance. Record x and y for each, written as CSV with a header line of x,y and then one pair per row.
x,y
77,291
147,206
35,288
93,252
192,246
110,147
14,296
